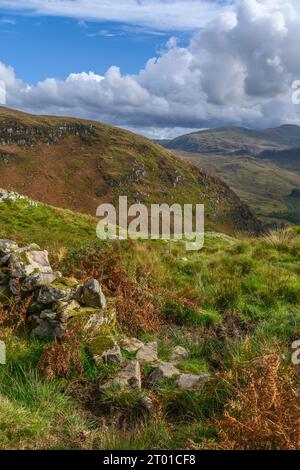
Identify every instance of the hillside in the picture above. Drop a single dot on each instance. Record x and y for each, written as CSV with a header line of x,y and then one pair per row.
x,y
261,184
78,164
216,323
236,140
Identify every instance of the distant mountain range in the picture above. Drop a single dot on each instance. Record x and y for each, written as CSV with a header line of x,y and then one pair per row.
x,y
262,166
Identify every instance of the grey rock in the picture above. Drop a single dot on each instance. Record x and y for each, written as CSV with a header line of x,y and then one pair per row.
x,y
66,310
34,281
91,294
14,286
113,355
148,352
92,323
4,279
192,382
131,345
48,315
29,262
128,377
147,404
7,246
47,330
162,371
178,354
50,294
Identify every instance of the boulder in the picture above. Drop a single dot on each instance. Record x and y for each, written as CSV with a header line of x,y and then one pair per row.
x,y
34,281
50,294
192,382
162,371
4,279
94,321
66,310
178,354
48,315
113,355
131,345
128,377
148,352
48,329
91,294
7,246
26,263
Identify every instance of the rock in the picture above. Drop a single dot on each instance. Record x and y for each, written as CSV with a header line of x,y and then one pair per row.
x,y
4,279
50,294
112,356
48,330
131,345
33,281
7,246
26,263
91,294
192,382
66,310
93,321
31,247
162,371
35,307
178,354
147,404
14,286
48,315
148,352
128,377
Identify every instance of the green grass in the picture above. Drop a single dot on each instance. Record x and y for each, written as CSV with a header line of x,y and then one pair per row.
x,y
229,304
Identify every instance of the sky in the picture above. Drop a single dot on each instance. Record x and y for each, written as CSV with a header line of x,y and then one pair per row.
x,y
158,67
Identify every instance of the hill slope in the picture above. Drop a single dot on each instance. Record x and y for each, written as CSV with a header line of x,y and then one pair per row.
x,y
78,164
237,140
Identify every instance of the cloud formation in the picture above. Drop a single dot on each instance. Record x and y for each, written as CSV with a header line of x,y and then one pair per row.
x,y
160,14
237,70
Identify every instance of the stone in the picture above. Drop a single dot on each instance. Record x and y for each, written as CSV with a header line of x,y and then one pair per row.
x,y
48,330
34,281
7,246
26,263
113,355
66,310
128,377
178,354
148,352
131,345
91,294
147,404
14,286
48,315
162,371
4,279
94,321
191,381
50,294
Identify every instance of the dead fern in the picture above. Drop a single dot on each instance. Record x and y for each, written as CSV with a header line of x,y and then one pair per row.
x,y
265,411
62,356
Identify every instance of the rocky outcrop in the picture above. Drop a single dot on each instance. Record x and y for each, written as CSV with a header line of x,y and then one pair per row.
x,y
26,276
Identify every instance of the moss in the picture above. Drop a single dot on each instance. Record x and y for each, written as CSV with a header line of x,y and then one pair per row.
x,y
99,344
63,282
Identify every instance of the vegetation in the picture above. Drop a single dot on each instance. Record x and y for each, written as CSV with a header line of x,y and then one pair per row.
x,y
232,305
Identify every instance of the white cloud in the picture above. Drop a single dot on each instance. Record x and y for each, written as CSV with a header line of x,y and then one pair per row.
x,y
237,70
160,14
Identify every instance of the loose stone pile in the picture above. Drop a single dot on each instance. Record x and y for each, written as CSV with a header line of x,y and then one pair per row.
x,y
26,274
27,278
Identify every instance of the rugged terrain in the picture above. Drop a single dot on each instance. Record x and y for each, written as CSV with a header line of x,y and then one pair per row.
x,y
193,341
261,166
77,165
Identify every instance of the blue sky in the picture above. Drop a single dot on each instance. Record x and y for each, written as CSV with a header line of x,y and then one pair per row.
x,y
158,67
39,47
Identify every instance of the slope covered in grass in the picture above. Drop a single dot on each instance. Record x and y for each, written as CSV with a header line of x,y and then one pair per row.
x,y
230,304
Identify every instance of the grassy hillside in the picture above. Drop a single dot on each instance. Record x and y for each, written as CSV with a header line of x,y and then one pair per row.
x,y
235,306
262,184
237,140
78,164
